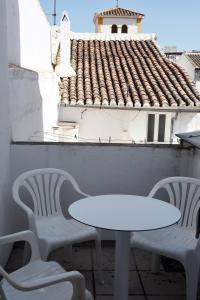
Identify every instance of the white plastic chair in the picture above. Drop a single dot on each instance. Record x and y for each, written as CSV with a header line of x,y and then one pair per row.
x,y
180,241
46,219
38,279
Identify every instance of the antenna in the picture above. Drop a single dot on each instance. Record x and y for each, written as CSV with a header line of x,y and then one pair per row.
x,y
54,13
117,3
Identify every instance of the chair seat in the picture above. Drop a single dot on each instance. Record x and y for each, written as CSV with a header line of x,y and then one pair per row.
x,y
35,271
58,230
172,241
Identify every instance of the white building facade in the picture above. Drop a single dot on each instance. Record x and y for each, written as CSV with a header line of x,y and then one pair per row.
x,y
118,20
33,84
190,61
126,63
109,109
125,126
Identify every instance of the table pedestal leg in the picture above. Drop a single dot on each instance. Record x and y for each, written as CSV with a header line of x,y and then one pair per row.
x,y
122,253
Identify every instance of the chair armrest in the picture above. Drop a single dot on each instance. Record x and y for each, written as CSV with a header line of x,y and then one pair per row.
x,y
27,236
74,277
26,209
84,194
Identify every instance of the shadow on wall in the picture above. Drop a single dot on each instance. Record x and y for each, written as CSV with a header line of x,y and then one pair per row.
x,y
13,34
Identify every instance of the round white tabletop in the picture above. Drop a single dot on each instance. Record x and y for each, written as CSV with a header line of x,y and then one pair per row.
x,y
124,212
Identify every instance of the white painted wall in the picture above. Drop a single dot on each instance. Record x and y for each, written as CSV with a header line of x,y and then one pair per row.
x,y
125,125
108,22
49,89
29,40
6,212
99,169
198,86
25,103
120,125
186,64
187,122
33,103
34,96
189,68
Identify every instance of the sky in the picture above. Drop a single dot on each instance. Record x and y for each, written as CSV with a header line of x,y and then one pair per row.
x,y
175,22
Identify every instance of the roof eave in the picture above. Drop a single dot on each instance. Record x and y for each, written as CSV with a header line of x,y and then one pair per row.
x,y
166,109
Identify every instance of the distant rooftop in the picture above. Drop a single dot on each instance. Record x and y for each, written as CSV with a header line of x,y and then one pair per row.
x,y
117,12
194,57
124,73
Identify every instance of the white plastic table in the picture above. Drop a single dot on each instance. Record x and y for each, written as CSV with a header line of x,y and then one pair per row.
x,y
124,214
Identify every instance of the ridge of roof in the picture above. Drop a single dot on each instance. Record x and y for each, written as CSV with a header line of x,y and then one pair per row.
x,y
87,36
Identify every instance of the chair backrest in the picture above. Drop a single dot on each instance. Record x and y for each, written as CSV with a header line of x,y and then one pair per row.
x,y
44,186
184,193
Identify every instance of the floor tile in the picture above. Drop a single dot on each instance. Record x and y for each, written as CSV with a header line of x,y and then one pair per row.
x,y
164,286
166,298
143,260
108,263
112,298
88,275
81,258
164,283
107,288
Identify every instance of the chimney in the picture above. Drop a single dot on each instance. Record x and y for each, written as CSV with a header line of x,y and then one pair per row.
x,y
66,69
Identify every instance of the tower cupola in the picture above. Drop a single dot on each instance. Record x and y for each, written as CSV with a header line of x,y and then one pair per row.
x,y
118,20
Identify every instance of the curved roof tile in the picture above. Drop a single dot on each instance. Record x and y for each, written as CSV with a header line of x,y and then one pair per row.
x,y
125,73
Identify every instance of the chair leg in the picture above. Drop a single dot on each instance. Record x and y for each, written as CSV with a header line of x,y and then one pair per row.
x,y
155,263
192,276
68,253
99,258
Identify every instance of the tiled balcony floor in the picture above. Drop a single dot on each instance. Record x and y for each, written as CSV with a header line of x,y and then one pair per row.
x,y
143,285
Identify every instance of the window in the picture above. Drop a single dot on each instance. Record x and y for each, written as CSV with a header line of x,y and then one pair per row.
x,y
114,28
156,128
124,29
161,128
150,130
197,75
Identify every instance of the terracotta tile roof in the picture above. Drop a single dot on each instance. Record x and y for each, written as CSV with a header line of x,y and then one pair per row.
x,y
125,73
194,58
118,12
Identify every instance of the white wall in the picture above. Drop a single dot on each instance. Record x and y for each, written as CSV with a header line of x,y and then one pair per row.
x,y
6,213
49,89
186,64
198,86
99,169
33,103
13,32
125,125
29,39
108,22
34,96
189,68
187,122
120,125
25,103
